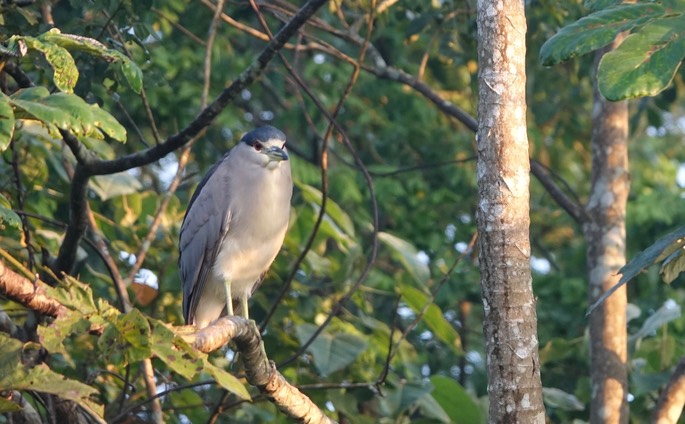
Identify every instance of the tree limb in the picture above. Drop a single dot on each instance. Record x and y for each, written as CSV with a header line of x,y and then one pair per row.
x,y
670,406
22,290
260,372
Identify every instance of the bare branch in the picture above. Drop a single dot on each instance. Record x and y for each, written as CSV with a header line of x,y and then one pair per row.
x,y
670,406
32,295
260,372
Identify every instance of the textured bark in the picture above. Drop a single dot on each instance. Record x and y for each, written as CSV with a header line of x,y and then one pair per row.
x,y
670,406
510,325
605,234
260,372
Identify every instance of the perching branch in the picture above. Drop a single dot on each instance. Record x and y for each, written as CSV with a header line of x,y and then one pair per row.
x,y
669,408
30,294
260,372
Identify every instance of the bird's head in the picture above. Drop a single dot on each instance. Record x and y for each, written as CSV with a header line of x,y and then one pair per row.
x,y
266,145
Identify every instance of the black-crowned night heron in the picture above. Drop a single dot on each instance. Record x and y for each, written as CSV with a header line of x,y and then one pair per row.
x,y
234,227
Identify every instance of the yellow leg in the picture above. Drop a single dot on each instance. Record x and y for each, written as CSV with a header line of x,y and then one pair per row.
x,y
229,297
243,303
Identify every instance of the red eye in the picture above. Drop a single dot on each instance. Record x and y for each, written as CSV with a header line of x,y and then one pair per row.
x,y
257,146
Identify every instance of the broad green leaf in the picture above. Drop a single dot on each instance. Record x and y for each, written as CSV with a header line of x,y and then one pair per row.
x,y
31,93
559,399
596,30
174,351
342,219
126,339
49,115
404,395
107,123
645,62
454,400
672,266
408,255
131,71
133,75
74,295
658,251
120,184
433,317
669,311
6,122
600,4
65,72
15,375
331,352
226,380
53,335
7,215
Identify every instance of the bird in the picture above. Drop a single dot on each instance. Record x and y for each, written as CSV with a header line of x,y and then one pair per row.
x,y
234,227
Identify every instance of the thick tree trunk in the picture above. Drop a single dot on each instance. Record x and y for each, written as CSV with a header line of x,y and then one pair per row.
x,y
605,234
510,325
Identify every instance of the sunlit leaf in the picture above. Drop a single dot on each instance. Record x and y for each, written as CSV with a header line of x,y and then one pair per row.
x,y
226,380
14,375
126,339
7,215
658,251
120,184
175,352
433,317
74,295
559,399
333,210
6,122
408,255
596,30
53,336
669,311
454,400
65,72
331,352
645,62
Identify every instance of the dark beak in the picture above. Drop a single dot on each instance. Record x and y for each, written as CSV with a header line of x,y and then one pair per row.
x,y
276,153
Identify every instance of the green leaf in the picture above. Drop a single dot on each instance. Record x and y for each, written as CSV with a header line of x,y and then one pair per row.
x,y
658,251
596,30
52,336
120,184
65,71
331,352
672,266
669,311
6,122
126,339
454,400
559,399
14,375
31,93
403,396
645,62
107,123
432,317
226,380
7,215
408,255
342,219
74,295
174,351
132,73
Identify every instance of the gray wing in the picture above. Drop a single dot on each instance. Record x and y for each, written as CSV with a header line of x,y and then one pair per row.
x,y
204,226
